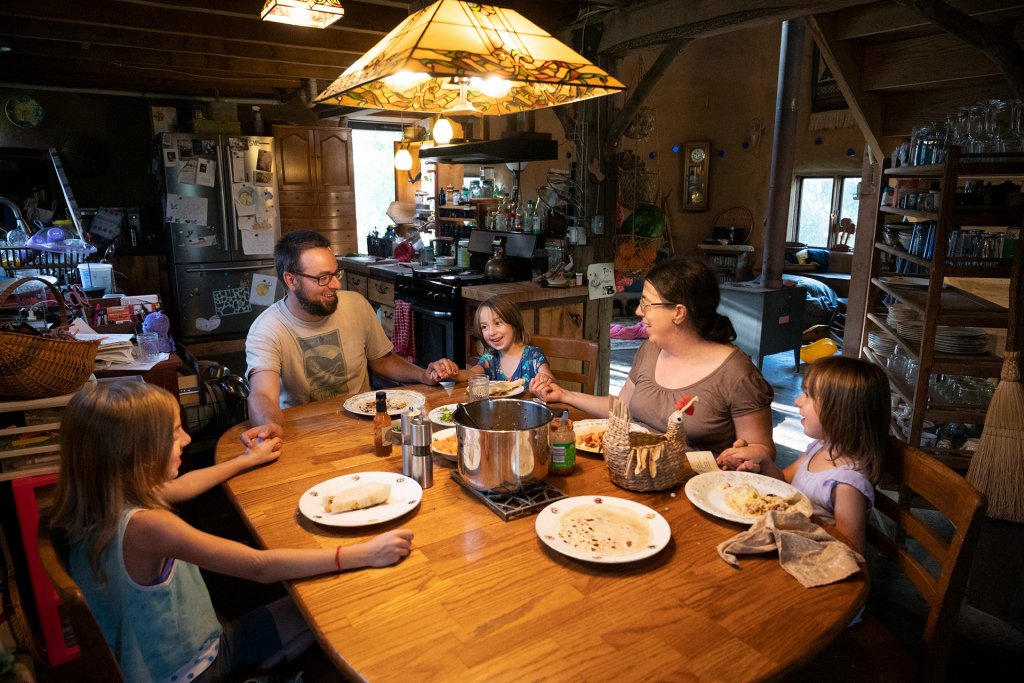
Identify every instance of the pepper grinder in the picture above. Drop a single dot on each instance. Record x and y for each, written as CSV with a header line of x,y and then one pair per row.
x,y
417,461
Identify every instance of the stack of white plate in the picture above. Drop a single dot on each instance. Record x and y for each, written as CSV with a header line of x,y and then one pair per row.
x,y
970,340
881,344
900,313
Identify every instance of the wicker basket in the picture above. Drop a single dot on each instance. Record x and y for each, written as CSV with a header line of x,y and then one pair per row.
x,y
634,255
42,367
637,187
630,468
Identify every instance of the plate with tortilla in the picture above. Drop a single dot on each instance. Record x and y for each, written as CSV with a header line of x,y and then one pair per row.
x,y
744,497
503,389
602,529
398,400
590,434
360,499
446,444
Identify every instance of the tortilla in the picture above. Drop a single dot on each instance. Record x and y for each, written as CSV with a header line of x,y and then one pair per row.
x,y
500,388
747,500
357,497
605,529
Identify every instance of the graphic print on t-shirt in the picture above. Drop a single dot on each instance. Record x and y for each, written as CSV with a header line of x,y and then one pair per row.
x,y
324,362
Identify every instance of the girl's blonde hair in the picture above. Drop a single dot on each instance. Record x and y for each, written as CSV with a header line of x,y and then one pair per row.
x,y
852,401
116,440
507,311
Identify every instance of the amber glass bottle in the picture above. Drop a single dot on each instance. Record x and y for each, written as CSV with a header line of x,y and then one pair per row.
x,y
382,427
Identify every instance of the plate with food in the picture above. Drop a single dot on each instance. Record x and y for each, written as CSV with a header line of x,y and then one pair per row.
x,y
744,497
602,529
444,415
446,444
590,434
504,389
360,499
398,401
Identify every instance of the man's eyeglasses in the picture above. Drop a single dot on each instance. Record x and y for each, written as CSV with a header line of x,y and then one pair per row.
x,y
322,280
644,306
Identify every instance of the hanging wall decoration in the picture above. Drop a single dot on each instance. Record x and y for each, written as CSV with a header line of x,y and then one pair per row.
x,y
828,106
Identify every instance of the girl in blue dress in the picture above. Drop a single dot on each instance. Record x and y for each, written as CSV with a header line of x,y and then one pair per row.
x,y
509,356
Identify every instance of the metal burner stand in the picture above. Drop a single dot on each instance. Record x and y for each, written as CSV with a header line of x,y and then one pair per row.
x,y
517,504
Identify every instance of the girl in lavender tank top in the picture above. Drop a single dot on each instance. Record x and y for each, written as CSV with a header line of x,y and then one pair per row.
x,y
845,409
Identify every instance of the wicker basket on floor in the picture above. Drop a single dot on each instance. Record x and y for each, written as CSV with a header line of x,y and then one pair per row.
x,y
42,366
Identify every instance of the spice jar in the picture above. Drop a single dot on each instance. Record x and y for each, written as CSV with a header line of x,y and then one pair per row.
x,y
562,442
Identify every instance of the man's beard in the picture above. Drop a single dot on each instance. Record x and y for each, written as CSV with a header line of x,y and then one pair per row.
x,y
316,306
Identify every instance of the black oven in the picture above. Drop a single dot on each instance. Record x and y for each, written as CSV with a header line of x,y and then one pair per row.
x,y
438,334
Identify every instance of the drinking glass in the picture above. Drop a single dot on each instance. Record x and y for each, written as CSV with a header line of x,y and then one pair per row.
x,y
479,387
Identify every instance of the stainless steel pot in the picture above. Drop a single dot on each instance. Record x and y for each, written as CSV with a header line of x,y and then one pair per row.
x,y
503,443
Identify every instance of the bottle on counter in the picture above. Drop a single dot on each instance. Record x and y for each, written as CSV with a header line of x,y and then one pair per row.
x,y
382,427
562,442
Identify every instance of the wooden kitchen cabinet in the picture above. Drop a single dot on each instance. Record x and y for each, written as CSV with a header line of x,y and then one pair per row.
x,y
316,183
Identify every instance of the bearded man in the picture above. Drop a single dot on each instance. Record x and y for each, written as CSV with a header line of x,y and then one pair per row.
x,y
318,342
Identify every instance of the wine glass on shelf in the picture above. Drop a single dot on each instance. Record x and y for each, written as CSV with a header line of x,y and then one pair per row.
x,y
1015,136
992,143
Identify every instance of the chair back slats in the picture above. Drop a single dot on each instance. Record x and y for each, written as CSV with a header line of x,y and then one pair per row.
x,y
572,360
921,475
96,660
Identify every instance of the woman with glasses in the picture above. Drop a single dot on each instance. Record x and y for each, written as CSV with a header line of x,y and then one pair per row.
x,y
689,352
319,341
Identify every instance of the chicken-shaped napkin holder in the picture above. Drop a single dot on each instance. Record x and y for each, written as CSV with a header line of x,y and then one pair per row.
x,y
640,461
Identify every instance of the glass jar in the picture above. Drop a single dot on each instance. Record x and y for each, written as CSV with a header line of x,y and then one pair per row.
x,y
562,442
479,388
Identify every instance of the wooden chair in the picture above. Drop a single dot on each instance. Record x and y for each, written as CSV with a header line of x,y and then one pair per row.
x,y
869,651
572,360
96,662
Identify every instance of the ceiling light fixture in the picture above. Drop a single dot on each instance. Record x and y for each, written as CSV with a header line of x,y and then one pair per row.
x,y
309,13
403,160
442,131
480,57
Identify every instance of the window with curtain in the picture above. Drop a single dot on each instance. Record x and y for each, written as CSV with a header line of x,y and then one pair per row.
x,y
822,202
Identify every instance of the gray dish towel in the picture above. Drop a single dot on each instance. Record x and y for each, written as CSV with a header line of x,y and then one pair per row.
x,y
806,551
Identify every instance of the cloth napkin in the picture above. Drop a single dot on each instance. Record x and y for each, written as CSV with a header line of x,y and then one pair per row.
x,y
403,336
806,551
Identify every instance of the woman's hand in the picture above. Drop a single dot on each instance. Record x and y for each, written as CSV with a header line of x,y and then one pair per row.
x,y
743,457
262,451
254,435
387,548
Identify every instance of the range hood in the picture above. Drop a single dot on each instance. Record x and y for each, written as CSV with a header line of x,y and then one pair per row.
x,y
504,150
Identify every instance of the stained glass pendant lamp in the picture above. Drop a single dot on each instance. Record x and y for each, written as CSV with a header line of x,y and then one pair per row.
x,y
310,13
465,56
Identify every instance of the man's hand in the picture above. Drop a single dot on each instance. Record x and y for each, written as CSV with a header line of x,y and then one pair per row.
x,y
264,450
442,369
260,433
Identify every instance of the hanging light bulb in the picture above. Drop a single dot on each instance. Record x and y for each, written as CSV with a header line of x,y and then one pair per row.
x,y
403,160
492,86
442,131
405,81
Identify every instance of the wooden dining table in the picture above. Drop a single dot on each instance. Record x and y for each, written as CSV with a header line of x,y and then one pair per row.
x,y
482,599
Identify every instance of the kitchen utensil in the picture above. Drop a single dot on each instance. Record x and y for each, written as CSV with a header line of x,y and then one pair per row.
x,y
503,443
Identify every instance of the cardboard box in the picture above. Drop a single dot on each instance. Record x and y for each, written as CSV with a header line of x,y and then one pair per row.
x,y
188,390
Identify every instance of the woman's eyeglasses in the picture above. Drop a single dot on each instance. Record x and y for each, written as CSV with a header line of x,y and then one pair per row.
x,y
644,306
322,280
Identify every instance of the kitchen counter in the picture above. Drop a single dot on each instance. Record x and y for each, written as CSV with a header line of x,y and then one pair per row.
x,y
525,292
382,269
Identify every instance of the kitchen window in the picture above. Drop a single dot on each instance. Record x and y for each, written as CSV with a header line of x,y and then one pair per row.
x,y
822,202
373,154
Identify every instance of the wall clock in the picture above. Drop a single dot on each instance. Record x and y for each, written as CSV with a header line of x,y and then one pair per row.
x,y
24,111
695,176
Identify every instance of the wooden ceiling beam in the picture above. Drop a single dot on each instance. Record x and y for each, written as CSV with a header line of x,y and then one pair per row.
x,y
885,20
190,64
12,27
664,21
923,63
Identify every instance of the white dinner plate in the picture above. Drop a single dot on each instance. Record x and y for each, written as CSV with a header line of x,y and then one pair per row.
x,y
435,415
398,401
444,434
405,496
582,427
705,491
549,522
515,392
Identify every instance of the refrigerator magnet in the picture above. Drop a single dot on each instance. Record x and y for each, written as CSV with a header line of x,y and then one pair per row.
x,y
208,324
263,290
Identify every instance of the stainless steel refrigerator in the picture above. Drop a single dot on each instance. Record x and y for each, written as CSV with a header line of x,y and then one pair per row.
x,y
220,214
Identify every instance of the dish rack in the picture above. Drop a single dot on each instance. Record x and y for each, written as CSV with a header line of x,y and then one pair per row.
x,y
22,261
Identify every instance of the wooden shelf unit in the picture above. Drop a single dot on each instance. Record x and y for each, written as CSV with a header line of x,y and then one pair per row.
x,y
936,301
457,220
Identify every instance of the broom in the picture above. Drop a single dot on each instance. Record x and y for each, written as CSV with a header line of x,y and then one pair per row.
x,y
997,467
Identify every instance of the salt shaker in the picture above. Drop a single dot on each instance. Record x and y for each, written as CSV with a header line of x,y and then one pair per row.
x,y
417,461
